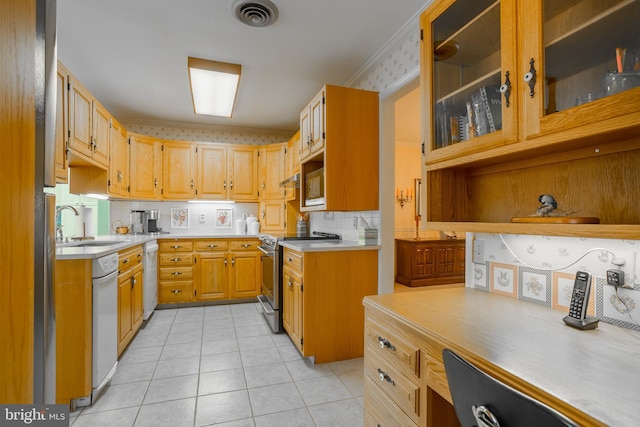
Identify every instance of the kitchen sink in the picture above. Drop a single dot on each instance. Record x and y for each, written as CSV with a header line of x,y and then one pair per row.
x,y
89,243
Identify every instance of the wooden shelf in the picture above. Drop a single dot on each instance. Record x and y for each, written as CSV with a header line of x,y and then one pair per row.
x,y
611,231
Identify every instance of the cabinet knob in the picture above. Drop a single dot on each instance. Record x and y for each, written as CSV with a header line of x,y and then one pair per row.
x,y
126,260
289,283
225,262
176,247
212,246
385,377
176,291
246,245
176,259
224,184
233,261
155,182
176,273
231,184
191,184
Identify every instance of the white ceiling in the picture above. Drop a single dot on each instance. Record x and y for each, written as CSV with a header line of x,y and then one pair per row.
x,y
132,54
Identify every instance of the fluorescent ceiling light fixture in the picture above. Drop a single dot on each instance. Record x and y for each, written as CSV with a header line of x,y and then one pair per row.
x,y
214,86
97,196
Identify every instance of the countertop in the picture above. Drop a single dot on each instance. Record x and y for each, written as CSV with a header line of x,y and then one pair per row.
x,y
127,240
593,371
326,245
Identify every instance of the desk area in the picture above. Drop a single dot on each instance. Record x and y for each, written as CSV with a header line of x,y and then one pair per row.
x,y
592,377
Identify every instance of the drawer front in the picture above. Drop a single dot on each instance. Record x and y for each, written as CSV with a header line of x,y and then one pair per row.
x,y
176,245
380,411
244,245
434,370
129,258
211,245
176,273
401,354
292,259
176,291
403,391
176,259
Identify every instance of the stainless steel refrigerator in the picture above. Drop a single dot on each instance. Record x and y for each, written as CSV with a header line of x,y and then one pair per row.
x,y
44,361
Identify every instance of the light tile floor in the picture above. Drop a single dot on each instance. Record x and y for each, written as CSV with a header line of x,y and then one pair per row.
x,y
221,365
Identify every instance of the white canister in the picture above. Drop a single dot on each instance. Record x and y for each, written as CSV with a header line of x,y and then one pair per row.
x,y
241,226
253,227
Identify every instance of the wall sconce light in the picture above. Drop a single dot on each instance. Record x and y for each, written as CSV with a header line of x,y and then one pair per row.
x,y
401,198
214,86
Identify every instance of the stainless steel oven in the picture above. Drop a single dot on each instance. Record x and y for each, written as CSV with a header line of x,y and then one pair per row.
x,y
271,298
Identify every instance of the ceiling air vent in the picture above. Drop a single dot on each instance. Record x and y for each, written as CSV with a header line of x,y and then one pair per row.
x,y
257,13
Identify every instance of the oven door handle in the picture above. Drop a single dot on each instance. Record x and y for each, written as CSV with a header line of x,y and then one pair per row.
x,y
266,307
266,252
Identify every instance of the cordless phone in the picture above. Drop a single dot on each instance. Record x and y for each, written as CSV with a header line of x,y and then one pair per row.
x,y
579,300
580,295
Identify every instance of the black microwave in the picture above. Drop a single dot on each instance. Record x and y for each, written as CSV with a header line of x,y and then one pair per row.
x,y
314,188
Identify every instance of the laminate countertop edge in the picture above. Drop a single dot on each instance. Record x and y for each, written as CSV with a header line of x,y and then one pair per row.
x,y
596,372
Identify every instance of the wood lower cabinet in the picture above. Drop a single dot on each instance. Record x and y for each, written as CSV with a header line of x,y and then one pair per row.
x,y
212,269
74,331
245,275
175,271
398,365
130,303
192,270
429,262
323,311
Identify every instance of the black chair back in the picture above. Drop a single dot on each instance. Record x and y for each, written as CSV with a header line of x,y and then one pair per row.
x,y
482,401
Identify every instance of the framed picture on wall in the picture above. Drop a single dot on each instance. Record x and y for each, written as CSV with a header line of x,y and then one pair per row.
x,y
223,218
179,217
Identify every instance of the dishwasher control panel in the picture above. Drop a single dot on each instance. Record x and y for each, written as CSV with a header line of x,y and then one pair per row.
x,y
105,265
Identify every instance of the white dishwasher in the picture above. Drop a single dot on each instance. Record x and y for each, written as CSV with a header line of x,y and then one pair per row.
x,y
150,282
105,322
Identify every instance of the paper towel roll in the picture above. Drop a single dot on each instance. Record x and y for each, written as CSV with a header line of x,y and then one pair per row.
x,y
85,224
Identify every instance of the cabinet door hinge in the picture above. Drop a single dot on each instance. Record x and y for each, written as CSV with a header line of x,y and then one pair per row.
x,y
162,147
108,183
196,150
128,188
421,34
285,151
301,287
301,341
129,140
323,100
423,148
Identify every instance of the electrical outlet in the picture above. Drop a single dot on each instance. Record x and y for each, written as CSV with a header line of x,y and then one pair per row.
x,y
201,216
615,277
478,252
628,268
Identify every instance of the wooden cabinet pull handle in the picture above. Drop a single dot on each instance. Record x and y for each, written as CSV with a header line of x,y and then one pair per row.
x,y
385,377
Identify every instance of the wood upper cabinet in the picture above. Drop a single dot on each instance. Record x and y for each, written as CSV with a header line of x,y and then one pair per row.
x,y
292,162
305,133
312,126
468,52
243,173
145,167
178,170
62,124
88,127
569,126
119,161
272,171
346,149
273,215
212,171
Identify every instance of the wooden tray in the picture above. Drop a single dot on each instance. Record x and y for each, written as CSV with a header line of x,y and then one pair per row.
x,y
558,219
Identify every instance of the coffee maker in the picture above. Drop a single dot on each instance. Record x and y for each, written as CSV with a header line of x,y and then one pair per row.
x,y
151,222
138,221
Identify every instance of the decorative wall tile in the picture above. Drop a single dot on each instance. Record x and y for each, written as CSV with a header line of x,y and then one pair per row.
x,y
480,276
619,307
504,279
534,286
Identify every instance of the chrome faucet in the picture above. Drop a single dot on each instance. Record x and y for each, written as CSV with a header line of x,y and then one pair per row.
x,y
59,235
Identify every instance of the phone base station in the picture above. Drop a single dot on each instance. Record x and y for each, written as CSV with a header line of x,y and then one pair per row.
x,y
584,324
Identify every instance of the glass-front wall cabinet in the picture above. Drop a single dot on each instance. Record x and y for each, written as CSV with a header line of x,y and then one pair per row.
x,y
590,52
499,72
469,54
